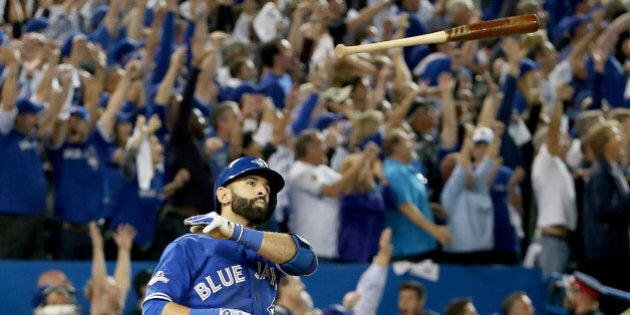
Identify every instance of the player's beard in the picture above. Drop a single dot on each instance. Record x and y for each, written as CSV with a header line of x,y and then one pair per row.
x,y
249,209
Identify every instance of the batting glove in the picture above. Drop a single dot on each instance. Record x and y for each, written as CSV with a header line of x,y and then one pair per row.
x,y
212,224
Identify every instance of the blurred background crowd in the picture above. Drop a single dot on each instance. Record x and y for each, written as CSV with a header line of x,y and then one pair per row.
x,y
115,117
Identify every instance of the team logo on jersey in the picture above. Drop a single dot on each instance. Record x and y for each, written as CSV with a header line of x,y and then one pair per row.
x,y
28,144
158,277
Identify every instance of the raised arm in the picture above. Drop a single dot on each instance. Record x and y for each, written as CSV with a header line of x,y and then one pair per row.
x,y
494,148
10,90
204,90
298,19
401,111
56,100
564,92
366,15
168,38
107,121
96,289
490,103
135,20
609,37
94,84
336,189
122,274
165,91
514,55
153,37
380,85
112,18
448,131
45,84
373,280
402,73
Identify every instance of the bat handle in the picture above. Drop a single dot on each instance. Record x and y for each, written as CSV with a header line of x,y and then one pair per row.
x,y
341,51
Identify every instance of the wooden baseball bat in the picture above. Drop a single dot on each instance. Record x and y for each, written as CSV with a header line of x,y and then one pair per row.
x,y
513,25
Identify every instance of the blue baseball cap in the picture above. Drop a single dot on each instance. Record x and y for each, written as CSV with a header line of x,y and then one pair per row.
x,y
123,50
26,106
527,65
80,112
435,68
38,24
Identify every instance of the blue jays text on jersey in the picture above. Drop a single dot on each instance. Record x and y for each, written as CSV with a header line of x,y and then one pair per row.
x,y
205,273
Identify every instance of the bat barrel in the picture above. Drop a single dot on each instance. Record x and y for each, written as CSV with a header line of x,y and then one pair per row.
x,y
487,29
513,25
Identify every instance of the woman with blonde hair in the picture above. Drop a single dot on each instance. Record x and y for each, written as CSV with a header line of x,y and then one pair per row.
x,y
361,207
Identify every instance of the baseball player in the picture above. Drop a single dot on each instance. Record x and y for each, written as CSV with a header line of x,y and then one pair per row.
x,y
226,267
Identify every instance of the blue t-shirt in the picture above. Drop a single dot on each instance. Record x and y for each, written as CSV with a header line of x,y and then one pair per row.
x,y
22,180
79,177
408,186
276,87
140,208
504,234
205,273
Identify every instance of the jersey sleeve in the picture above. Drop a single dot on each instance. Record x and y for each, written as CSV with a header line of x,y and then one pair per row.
x,y
171,278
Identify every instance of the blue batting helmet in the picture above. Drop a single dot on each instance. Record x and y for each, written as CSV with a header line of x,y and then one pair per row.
x,y
250,165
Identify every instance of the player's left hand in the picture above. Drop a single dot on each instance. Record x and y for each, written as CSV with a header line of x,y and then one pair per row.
x,y
211,224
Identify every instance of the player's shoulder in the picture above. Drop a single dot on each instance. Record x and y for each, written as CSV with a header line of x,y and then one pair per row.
x,y
193,238
193,241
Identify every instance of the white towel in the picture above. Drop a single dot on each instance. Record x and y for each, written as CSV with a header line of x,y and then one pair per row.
x,y
425,269
144,164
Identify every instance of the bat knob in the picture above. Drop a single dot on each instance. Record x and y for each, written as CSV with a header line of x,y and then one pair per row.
x,y
341,51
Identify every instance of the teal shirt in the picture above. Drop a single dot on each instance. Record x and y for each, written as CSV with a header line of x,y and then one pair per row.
x,y
408,186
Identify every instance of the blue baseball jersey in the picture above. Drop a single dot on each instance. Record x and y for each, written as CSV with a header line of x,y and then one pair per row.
x,y
79,177
140,208
22,180
277,87
200,272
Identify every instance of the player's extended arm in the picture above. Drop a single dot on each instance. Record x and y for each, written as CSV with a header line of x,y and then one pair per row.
x,y
293,254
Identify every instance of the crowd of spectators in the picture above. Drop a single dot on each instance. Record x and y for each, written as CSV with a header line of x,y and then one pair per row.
x,y
489,151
